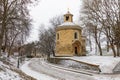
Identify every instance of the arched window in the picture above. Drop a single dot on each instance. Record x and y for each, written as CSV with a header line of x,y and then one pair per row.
x,y
67,18
75,35
57,36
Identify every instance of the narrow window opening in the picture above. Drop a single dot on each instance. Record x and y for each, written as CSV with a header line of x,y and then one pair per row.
x,y
75,35
57,36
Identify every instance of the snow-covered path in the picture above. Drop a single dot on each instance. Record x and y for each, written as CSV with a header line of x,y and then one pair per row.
x,y
56,72
47,72
39,76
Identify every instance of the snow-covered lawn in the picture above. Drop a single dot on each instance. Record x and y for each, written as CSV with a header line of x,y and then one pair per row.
x,y
107,77
7,74
106,63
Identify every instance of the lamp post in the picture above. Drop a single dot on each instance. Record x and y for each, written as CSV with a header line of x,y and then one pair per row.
x,y
18,63
18,60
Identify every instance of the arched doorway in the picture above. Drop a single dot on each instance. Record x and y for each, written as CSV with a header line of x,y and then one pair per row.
x,y
76,48
76,51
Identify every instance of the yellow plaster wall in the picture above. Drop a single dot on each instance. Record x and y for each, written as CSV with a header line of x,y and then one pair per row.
x,y
64,44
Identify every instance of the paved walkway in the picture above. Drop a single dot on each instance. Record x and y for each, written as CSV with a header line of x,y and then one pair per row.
x,y
60,74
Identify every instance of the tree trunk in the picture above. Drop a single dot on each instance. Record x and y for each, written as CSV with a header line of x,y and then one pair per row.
x,y
0,45
9,52
99,45
107,46
5,43
118,47
1,36
113,49
100,49
90,44
3,26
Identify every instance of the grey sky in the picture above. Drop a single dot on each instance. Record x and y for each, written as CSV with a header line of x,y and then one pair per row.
x,y
47,9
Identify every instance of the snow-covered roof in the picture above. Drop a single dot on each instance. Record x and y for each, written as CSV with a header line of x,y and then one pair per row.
x,y
68,24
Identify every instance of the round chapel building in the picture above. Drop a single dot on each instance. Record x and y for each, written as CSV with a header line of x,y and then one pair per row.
x,y
69,39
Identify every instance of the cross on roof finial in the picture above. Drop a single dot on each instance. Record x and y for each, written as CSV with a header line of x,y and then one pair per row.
x,y
68,10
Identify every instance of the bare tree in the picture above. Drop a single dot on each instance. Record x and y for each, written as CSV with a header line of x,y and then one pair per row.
x,y
14,15
92,24
105,13
28,49
57,20
46,42
47,36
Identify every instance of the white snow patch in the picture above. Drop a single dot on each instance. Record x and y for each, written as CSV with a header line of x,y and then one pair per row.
x,y
107,77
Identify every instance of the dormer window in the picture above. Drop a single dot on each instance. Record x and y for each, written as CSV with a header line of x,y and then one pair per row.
x,y
67,18
75,35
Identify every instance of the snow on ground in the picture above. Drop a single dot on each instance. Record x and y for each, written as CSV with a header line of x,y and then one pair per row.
x,y
39,76
107,77
7,74
33,67
106,63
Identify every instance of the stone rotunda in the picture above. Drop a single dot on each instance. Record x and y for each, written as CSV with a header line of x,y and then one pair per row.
x,y
69,39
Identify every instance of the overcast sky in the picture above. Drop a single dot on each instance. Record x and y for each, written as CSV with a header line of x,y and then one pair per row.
x,y
47,9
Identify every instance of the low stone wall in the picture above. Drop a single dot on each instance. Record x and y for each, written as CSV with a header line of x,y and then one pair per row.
x,y
55,60
81,65
117,69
